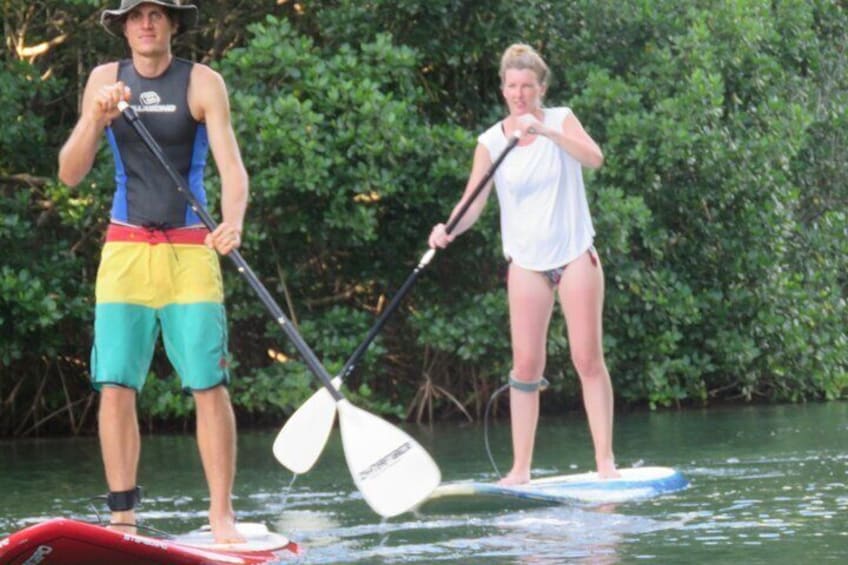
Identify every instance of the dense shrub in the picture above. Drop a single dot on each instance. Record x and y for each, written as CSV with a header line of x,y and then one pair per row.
x,y
720,210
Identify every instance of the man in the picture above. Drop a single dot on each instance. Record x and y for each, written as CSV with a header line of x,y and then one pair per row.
x,y
159,270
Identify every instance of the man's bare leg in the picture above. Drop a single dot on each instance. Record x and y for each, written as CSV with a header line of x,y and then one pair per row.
x,y
120,445
216,439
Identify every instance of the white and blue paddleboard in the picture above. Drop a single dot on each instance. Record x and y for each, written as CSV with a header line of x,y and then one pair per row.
x,y
634,483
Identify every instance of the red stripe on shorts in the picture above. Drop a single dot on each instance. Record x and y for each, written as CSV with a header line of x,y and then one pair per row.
x,y
153,236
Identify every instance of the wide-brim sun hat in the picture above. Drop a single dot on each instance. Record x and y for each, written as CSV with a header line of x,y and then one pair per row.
x,y
112,20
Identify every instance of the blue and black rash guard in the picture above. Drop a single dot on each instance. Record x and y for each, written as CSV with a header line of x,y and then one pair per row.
x,y
145,194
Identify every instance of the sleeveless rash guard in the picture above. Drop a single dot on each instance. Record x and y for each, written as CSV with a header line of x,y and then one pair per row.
x,y
545,220
145,195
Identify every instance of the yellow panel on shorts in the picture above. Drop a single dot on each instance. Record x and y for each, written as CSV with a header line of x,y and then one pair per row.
x,y
158,275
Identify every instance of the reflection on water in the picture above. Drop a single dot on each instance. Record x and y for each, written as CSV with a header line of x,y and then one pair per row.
x,y
767,485
537,536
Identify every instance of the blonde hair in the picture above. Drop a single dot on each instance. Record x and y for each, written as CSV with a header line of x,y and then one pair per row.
x,y
521,56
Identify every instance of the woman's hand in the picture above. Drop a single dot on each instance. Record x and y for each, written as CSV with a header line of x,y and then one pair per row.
x,y
439,237
528,124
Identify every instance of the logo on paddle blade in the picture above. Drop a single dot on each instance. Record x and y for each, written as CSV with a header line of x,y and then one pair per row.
x,y
384,462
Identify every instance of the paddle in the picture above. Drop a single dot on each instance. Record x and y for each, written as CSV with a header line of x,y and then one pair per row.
x,y
301,440
391,470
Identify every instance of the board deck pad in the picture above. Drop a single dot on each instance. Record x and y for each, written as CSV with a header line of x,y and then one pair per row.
x,y
634,483
257,538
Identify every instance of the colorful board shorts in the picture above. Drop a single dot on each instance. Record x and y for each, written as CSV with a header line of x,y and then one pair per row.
x,y
151,281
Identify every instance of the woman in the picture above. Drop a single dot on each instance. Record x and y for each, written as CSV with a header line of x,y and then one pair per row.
x,y
547,236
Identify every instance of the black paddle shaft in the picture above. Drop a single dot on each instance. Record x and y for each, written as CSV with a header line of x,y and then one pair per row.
x,y
306,353
354,359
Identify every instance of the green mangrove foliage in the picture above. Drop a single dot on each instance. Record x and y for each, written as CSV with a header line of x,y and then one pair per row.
x,y
720,210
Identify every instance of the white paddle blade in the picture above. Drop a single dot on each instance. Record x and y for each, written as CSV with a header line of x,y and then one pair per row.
x,y
391,470
302,439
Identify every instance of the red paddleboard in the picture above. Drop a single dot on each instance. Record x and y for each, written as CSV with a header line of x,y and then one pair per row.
x,y
70,542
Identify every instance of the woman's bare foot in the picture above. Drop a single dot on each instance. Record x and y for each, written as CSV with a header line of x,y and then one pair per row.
x,y
224,529
515,478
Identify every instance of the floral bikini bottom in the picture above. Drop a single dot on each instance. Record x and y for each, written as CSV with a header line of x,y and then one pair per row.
x,y
555,275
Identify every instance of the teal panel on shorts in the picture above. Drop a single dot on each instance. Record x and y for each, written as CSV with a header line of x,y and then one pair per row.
x,y
124,338
195,337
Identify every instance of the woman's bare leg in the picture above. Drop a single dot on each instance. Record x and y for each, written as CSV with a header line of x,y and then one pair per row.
x,y
531,302
581,293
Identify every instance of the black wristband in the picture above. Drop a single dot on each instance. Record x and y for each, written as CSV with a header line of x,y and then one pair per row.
x,y
123,500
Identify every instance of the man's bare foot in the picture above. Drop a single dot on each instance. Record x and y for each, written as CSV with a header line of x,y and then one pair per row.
x,y
607,470
224,529
513,479
123,522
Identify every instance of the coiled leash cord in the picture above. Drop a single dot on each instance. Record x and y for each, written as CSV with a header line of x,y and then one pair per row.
x,y
523,386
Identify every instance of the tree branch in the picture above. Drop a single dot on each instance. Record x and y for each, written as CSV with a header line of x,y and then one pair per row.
x,y
24,178
30,53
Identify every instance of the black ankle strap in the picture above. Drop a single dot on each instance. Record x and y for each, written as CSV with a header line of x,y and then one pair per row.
x,y
123,500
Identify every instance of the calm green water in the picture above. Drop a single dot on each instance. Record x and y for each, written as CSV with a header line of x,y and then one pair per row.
x,y
768,485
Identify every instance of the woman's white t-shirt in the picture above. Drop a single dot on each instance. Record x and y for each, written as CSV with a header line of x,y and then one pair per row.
x,y
545,220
